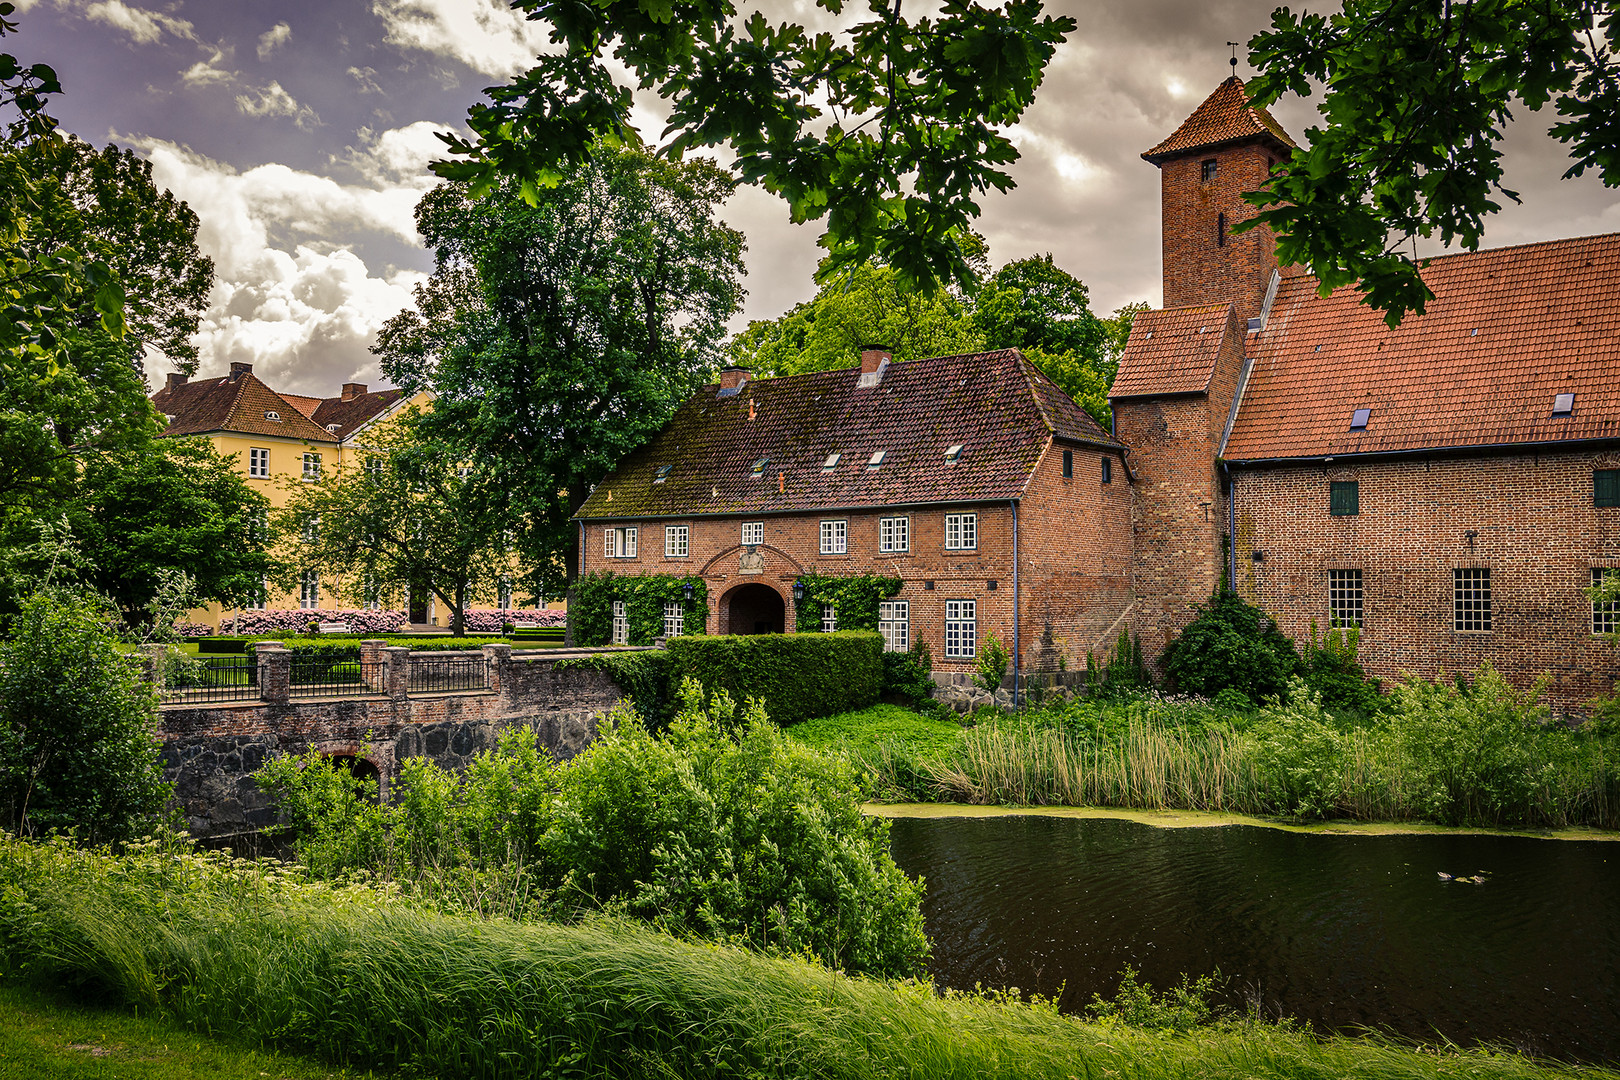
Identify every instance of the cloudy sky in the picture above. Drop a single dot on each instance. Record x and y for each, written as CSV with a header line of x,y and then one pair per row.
x,y
299,131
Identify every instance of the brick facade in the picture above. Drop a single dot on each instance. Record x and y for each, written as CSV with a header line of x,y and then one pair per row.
x,y
1204,261
1528,518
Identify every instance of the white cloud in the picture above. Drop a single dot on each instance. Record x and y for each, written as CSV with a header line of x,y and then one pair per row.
x,y
288,297
399,156
272,39
144,27
486,35
365,79
275,101
211,72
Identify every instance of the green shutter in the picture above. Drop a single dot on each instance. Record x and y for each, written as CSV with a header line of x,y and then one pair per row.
x,y
1344,498
1606,487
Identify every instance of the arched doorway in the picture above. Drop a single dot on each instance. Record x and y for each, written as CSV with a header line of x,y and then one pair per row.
x,y
755,609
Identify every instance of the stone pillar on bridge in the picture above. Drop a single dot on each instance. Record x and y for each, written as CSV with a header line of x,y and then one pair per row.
x,y
399,671
275,671
372,665
497,656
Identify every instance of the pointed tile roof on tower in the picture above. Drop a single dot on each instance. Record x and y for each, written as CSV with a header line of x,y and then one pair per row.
x,y
1225,117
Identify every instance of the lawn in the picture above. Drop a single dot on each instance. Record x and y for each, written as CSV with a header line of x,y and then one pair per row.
x,y
861,732
45,1037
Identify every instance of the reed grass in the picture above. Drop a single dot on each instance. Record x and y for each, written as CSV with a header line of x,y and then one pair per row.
x,y
356,976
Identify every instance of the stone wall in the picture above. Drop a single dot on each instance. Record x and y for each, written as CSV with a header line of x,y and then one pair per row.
x,y
210,749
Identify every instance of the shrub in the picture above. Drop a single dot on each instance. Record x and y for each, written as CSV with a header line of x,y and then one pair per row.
x,y
1332,670
991,663
795,676
1300,756
272,623
192,629
1231,644
1124,673
78,746
1180,1009
499,620
908,676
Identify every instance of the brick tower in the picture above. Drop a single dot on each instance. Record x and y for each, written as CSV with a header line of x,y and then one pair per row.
x,y
1180,370
1226,147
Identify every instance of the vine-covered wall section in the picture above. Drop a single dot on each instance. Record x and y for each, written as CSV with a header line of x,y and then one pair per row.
x,y
854,597
590,605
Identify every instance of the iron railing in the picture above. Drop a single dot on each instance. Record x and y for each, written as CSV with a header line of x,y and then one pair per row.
x,y
332,675
436,671
212,678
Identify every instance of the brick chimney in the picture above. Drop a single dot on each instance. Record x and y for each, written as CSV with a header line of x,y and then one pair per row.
x,y
732,377
874,362
352,390
175,379
238,369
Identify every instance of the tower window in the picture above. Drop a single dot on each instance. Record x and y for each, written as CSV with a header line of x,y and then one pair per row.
x,y
1220,230
1206,170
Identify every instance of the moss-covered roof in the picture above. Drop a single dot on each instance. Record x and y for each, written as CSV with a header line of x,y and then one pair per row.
x,y
997,406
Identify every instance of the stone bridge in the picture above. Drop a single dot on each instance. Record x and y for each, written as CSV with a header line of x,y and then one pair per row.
x,y
396,710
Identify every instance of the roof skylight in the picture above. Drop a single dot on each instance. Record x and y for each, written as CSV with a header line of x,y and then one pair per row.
x,y
759,467
663,473
1359,418
876,459
831,463
953,453
270,415
1563,404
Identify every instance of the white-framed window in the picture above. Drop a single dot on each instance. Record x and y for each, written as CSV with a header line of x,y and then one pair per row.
x,y
621,624
961,532
312,529
309,591
961,629
894,623
258,527
674,618
1471,599
371,593
676,538
503,596
753,532
259,599
1344,598
829,618
1605,613
259,463
894,534
312,466
620,543
374,468
834,537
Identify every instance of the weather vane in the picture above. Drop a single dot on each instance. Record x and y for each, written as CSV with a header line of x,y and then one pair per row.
x,y
1234,46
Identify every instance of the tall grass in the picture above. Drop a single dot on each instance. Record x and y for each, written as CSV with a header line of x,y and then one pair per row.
x,y
357,976
1477,755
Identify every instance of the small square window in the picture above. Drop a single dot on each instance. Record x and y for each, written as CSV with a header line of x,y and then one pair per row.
x,y
829,618
894,534
1606,487
876,459
1471,599
312,467
953,453
834,537
1207,170
1108,470
675,541
1344,498
662,474
1068,464
259,463
961,532
1359,418
831,463
753,532
1563,404
759,467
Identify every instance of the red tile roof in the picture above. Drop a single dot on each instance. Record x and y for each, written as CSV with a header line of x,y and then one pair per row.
x,y
997,405
234,403
305,405
1507,330
350,414
1173,351
1225,117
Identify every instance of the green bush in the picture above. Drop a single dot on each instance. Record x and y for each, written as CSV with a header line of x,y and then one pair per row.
x,y
990,665
1331,668
1300,756
1231,645
78,724
795,676
1124,673
908,676
1180,1009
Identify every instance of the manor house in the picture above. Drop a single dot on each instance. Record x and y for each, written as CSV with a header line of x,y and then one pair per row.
x,y
1451,486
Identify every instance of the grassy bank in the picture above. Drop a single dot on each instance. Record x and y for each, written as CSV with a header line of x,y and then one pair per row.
x,y
355,975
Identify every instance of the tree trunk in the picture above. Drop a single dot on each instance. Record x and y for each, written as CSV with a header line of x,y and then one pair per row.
x,y
458,614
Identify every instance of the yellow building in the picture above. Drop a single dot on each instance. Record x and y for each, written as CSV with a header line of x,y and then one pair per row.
x,y
278,439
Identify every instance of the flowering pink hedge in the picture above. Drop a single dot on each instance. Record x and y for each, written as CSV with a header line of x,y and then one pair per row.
x,y
281,622
193,629
490,620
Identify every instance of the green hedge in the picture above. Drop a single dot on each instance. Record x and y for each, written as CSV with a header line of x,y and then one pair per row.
x,y
797,676
325,645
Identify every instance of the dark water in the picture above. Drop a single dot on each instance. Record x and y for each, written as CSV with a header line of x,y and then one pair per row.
x,y
1342,932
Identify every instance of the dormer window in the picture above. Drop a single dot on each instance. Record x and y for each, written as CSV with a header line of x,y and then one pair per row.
x,y
876,459
272,415
333,428
759,467
831,463
1359,418
1563,404
953,453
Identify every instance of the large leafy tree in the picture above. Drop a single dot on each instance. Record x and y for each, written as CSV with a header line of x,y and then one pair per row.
x,y
558,336
890,130
175,505
412,514
1417,93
